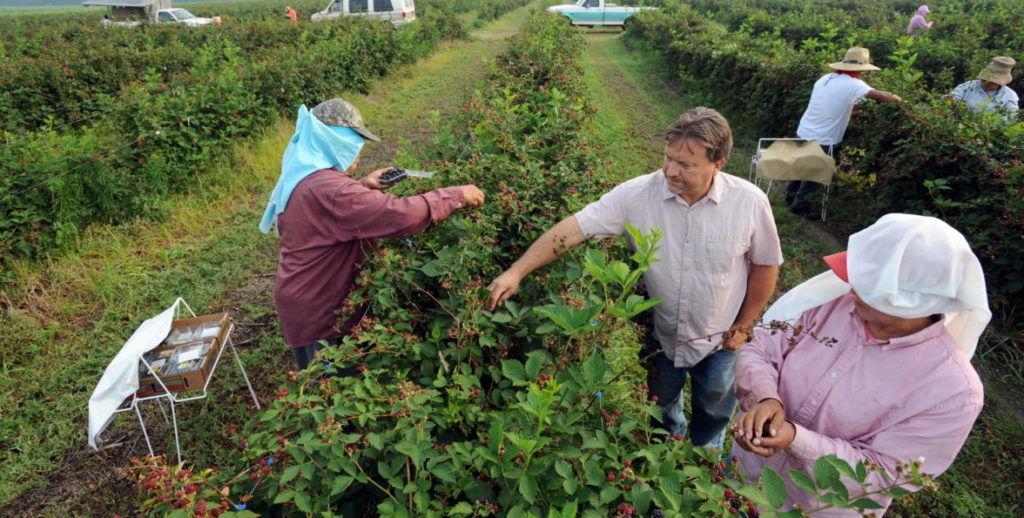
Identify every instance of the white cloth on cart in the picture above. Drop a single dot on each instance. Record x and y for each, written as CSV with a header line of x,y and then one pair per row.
x,y
121,379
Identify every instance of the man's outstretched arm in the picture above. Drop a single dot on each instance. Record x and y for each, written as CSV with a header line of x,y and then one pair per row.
x,y
548,247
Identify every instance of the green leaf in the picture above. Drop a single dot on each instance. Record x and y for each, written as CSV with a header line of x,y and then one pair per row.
x,y
774,487
545,328
825,474
460,509
563,469
641,496
284,496
594,367
533,365
340,484
609,494
570,485
862,472
288,474
619,271
897,491
866,503
304,502
444,472
842,466
801,480
513,370
528,488
501,317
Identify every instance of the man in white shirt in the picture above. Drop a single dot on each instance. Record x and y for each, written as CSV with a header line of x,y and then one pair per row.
x,y
989,92
717,265
828,113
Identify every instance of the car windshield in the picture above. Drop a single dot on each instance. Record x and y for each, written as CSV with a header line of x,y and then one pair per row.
x,y
182,14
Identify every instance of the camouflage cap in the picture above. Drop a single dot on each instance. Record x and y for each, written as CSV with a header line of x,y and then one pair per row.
x,y
339,112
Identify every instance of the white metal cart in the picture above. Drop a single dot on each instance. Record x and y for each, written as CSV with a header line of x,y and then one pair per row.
x,y
778,152
146,338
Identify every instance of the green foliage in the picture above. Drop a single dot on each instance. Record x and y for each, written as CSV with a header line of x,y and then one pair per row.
x,y
457,411
924,155
98,130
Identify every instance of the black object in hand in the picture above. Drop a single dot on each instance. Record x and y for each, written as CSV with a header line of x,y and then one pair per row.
x,y
393,176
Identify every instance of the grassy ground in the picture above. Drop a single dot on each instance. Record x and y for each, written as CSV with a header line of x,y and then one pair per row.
x,y
69,316
637,97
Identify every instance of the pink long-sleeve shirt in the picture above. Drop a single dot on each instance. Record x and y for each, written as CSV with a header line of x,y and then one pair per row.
x,y
861,399
331,221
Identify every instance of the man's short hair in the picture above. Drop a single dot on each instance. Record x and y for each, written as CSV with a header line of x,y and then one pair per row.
x,y
706,126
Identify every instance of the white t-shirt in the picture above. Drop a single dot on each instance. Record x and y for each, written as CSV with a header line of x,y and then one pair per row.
x,y
828,112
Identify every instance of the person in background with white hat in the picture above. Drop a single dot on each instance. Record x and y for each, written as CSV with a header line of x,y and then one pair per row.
x,y
989,91
328,220
876,366
828,113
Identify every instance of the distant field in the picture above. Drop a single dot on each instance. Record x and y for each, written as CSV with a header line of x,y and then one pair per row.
x,y
6,11
13,7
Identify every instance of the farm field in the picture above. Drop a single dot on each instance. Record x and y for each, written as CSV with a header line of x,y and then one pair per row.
x,y
544,122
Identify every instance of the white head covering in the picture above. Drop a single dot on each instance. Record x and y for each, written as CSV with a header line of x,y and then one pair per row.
x,y
313,147
909,267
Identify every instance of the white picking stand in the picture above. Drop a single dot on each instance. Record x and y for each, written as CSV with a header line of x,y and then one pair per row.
x,y
131,402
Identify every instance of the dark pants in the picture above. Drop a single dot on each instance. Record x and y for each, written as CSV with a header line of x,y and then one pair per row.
x,y
304,356
799,192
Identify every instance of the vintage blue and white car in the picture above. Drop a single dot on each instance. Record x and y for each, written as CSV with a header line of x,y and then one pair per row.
x,y
591,13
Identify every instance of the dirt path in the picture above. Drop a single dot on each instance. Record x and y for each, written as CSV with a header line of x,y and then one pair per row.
x,y
401,109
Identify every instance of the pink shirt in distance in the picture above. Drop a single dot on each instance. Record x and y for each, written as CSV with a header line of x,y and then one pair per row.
x,y
704,255
329,224
860,399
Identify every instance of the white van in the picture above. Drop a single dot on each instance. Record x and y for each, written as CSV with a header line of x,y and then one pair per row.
x,y
394,11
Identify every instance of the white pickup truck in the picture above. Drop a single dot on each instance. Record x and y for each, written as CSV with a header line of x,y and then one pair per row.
x,y
130,13
592,13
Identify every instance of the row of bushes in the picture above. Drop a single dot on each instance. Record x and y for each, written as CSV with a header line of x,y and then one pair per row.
x,y
965,37
537,409
924,155
159,104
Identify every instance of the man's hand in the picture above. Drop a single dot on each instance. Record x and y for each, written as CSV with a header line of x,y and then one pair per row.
x,y
502,288
372,180
473,195
737,338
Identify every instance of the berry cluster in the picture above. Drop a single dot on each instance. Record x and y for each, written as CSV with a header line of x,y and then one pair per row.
x,y
739,503
177,487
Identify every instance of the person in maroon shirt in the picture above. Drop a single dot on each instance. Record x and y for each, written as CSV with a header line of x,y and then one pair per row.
x,y
327,220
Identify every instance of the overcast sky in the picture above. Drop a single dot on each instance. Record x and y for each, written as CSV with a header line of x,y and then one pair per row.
x,y
44,3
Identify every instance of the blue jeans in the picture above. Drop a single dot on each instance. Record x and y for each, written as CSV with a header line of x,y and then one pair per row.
x,y
713,400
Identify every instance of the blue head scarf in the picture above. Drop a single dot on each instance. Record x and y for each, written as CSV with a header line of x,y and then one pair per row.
x,y
313,147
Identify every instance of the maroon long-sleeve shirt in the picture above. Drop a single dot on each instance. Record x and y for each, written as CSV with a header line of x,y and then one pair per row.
x,y
330,222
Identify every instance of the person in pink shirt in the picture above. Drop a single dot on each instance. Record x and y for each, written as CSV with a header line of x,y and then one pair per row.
x,y
918,24
327,221
876,366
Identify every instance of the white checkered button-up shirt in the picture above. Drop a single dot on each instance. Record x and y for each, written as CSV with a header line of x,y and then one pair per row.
x,y
704,254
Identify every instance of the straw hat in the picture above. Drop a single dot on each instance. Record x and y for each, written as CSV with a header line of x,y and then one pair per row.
x,y
998,71
857,59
